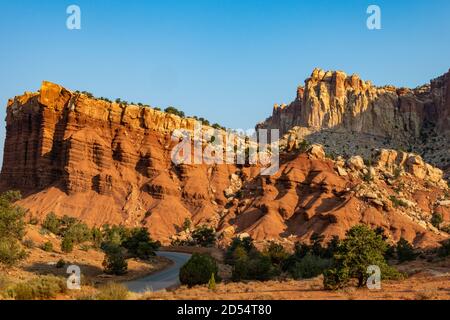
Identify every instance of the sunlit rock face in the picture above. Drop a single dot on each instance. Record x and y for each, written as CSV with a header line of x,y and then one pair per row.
x,y
336,107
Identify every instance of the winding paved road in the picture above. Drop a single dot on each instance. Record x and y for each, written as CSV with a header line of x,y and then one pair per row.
x,y
163,279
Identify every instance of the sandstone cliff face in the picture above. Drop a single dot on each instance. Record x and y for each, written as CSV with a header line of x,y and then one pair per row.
x,y
103,162
349,114
108,163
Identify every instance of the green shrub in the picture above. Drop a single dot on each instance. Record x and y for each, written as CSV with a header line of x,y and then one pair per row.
x,y
52,223
198,270
12,229
97,237
258,267
139,244
40,288
397,202
276,253
114,261
436,220
114,234
309,266
187,224
405,251
78,232
67,244
60,264
204,236
47,246
444,249
246,245
11,252
112,291
301,250
175,111
361,248
212,282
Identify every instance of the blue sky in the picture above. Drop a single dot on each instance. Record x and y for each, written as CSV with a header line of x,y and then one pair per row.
x,y
227,61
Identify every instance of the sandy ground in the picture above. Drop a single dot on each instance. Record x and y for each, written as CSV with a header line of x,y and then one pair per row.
x,y
426,281
415,288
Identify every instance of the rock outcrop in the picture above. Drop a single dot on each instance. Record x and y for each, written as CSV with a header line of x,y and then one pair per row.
x,y
351,116
105,162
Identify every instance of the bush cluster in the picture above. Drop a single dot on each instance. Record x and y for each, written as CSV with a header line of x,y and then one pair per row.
x,y
72,230
119,243
39,288
310,260
200,269
250,264
12,229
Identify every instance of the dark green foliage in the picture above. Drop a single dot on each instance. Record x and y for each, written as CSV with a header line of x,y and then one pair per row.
x,y
60,264
115,234
198,270
47,246
436,220
139,244
276,253
218,127
12,229
405,251
203,121
309,266
397,202
204,236
255,267
78,232
309,261
12,224
52,223
444,250
301,250
246,245
67,244
304,145
119,243
187,224
88,94
97,237
175,111
361,248
67,227
114,261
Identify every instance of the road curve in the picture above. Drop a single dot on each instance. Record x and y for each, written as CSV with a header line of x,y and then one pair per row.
x,y
163,279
